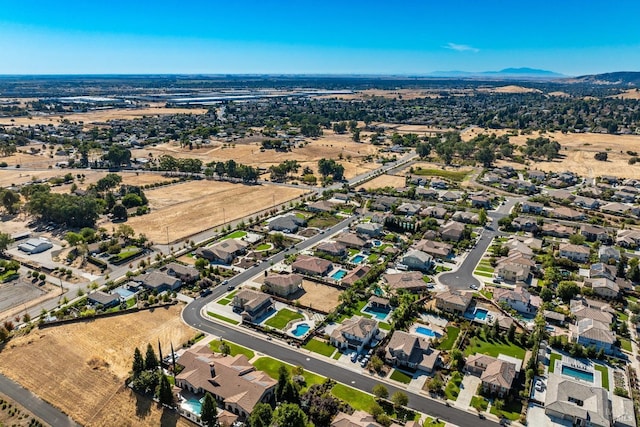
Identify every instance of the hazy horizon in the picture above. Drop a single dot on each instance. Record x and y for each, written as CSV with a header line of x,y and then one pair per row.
x,y
294,38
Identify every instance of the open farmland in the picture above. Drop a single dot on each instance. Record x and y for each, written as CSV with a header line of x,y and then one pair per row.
x,y
98,116
86,364
190,207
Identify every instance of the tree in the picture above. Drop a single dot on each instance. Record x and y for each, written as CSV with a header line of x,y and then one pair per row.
x,y
150,359
577,239
399,399
546,294
567,290
380,391
165,396
5,241
125,231
289,415
138,362
485,156
10,201
283,379
73,238
117,155
601,156
201,264
511,333
457,359
376,363
498,404
435,384
482,216
277,239
209,411
261,415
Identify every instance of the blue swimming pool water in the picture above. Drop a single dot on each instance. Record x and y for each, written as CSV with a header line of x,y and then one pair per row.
x,y
577,373
300,329
480,314
338,275
124,292
377,243
426,331
357,259
377,312
192,405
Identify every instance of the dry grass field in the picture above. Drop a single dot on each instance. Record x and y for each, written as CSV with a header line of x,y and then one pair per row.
x,y
628,94
510,89
91,117
80,368
399,93
190,207
319,296
383,181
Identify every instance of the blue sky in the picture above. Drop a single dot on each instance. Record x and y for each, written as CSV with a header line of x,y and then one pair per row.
x,y
323,36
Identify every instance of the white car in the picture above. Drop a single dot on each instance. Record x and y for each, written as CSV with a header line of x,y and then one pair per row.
x,y
539,385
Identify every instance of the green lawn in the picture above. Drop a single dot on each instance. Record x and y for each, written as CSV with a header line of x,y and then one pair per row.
x,y
479,403
484,269
235,235
449,174
320,347
384,326
430,422
224,319
131,302
263,247
479,344
605,375
510,411
337,355
231,294
282,318
453,386
625,344
224,301
234,349
552,361
270,366
356,310
632,298
622,316
353,252
373,258
357,399
400,377
323,221
450,339
483,274
487,294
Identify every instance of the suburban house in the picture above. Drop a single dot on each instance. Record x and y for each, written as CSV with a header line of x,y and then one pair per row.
x,y
311,266
518,298
159,281
594,232
586,202
251,304
434,212
628,238
321,206
417,260
408,208
555,229
186,273
480,201
592,333
497,375
232,380
602,270
525,223
536,176
616,208
409,281
466,217
286,223
567,213
282,285
357,419
453,301
356,274
452,231
332,248
532,207
603,287
514,268
354,333
436,249
576,402
104,299
351,240
450,196
554,317
426,193
576,253
224,251
608,253
409,351
370,229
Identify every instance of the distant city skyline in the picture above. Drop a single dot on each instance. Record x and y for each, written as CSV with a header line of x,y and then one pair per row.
x,y
305,37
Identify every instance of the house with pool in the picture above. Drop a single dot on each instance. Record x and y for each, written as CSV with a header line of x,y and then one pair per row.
x,y
354,334
496,374
233,382
311,266
282,285
453,301
251,305
406,350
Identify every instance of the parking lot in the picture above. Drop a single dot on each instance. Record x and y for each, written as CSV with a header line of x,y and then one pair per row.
x,y
19,292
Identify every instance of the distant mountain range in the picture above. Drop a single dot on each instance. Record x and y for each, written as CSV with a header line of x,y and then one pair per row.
x,y
507,73
631,78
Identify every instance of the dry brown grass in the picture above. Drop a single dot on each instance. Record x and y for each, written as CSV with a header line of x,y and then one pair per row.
x,y
80,368
319,296
510,89
91,117
383,181
403,93
190,207
628,94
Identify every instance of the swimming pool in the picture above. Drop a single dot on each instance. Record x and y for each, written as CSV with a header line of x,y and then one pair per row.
x,y
480,314
300,329
377,312
124,292
192,405
577,373
426,331
377,243
357,259
338,275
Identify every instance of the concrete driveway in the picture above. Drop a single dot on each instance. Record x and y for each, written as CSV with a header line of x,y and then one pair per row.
x,y
468,389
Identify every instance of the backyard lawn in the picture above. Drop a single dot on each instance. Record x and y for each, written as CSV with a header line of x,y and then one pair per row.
x,y
357,399
622,316
235,235
605,375
263,247
450,339
234,349
552,361
625,344
480,344
282,318
320,347
400,377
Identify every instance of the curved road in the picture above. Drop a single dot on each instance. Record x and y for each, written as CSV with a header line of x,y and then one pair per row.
x,y
462,278
192,315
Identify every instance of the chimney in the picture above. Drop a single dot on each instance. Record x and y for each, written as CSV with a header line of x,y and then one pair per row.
x,y
212,369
